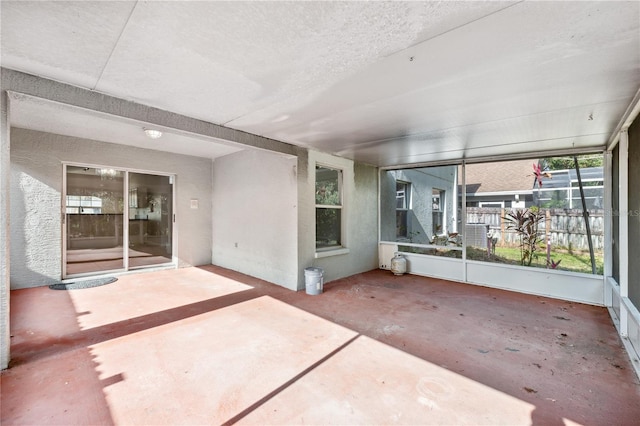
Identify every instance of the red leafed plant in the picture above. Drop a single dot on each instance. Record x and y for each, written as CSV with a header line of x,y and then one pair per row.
x,y
525,223
553,264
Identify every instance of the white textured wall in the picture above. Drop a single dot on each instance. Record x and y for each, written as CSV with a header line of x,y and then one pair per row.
x,y
255,211
360,212
36,185
4,230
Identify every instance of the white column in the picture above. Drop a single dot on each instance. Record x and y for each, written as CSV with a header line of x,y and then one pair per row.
x,y
623,236
608,228
463,219
5,190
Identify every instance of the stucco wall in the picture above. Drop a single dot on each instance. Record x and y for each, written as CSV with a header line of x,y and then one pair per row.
x,y
5,167
388,230
360,212
36,185
255,215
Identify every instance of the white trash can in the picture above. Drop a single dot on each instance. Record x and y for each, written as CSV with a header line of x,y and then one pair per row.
x,y
314,280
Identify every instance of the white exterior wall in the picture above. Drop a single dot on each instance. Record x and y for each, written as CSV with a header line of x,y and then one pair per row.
x,y
265,203
5,166
582,288
360,215
36,188
255,215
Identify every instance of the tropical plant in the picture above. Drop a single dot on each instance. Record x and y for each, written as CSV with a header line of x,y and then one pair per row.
x,y
553,264
525,223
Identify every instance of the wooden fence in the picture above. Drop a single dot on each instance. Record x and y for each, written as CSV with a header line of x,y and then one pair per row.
x,y
564,227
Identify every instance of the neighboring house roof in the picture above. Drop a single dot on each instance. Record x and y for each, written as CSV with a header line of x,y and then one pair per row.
x,y
503,177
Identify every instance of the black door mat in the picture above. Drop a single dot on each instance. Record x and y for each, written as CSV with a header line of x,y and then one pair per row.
x,y
83,284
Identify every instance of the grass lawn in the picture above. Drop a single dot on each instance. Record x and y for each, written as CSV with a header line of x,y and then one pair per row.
x,y
576,261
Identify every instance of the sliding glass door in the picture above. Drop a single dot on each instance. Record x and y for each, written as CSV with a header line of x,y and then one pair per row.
x,y
94,220
150,219
104,231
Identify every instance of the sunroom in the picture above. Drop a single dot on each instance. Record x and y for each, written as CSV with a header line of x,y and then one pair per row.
x,y
489,144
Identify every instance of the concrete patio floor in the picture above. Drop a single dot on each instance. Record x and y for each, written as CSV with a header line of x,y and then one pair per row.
x,y
212,346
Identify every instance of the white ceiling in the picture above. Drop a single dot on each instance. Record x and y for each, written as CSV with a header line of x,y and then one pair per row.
x,y
33,113
380,82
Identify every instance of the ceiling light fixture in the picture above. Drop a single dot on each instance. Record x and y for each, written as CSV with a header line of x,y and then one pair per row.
x,y
153,133
106,173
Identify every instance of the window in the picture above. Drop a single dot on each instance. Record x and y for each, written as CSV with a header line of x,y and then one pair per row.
x,y
403,194
83,204
328,208
498,205
437,210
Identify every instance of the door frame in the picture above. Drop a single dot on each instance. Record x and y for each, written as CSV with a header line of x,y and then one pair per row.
x,y
125,220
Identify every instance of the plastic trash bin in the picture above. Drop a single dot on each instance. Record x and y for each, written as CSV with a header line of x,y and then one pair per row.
x,y
314,280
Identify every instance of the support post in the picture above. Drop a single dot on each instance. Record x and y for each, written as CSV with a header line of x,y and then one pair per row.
x,y
585,214
463,219
502,227
608,228
5,190
623,237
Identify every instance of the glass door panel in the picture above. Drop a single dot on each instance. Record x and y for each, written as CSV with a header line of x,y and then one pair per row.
x,y
150,219
94,210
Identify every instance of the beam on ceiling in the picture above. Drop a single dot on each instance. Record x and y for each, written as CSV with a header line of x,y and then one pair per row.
x,y
627,119
55,91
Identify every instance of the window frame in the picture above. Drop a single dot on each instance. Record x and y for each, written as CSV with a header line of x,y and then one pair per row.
x,y
441,211
406,207
339,248
406,196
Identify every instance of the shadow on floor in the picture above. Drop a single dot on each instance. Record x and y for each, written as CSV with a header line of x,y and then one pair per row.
x,y
144,350
564,358
44,388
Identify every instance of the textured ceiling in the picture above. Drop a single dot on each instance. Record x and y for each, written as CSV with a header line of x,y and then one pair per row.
x,y
381,82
